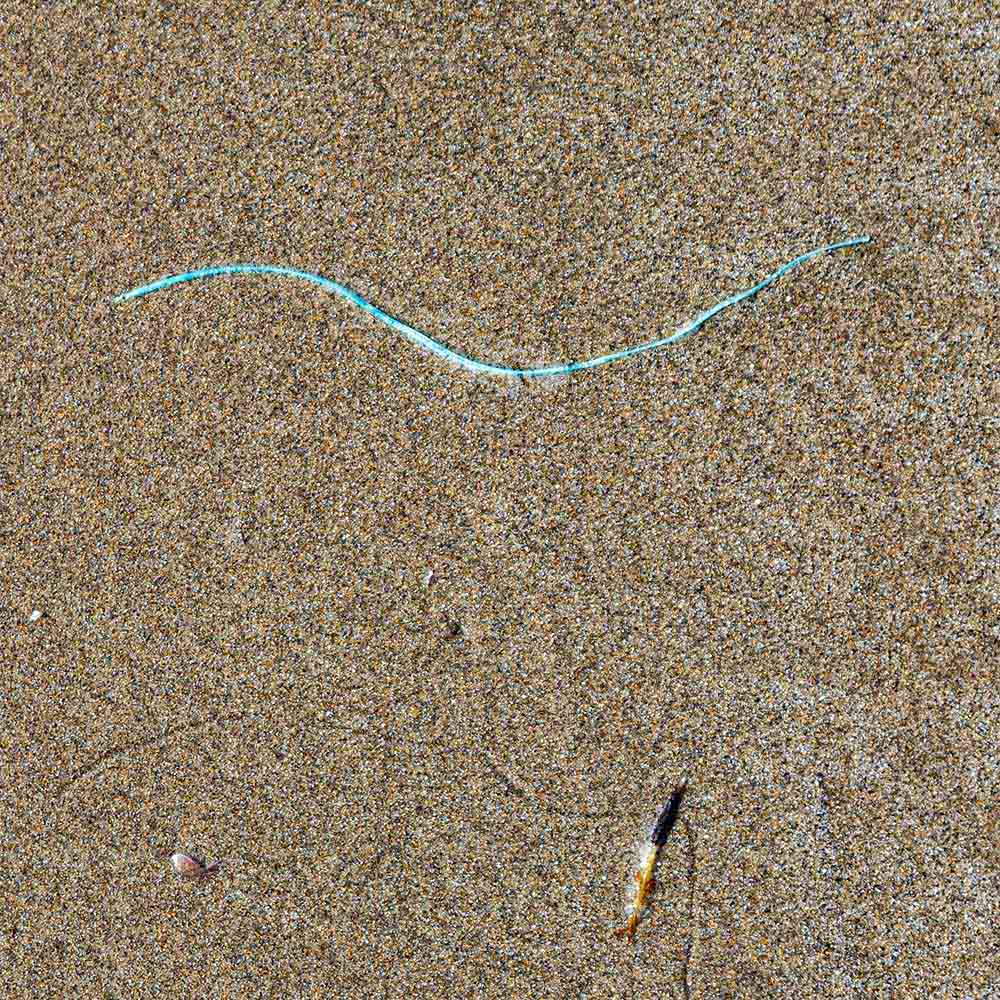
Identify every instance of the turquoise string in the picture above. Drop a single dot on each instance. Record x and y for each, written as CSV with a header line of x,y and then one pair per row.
x,y
417,337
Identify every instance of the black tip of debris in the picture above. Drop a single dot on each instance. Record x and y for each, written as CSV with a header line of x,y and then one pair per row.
x,y
666,820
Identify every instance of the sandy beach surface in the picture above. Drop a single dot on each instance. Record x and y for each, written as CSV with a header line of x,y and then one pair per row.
x,y
419,654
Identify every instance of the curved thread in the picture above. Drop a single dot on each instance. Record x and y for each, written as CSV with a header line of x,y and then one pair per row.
x,y
482,367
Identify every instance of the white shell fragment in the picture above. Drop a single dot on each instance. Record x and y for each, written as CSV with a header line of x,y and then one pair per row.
x,y
34,616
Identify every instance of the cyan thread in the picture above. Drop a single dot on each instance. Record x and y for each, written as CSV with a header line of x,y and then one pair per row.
x,y
483,367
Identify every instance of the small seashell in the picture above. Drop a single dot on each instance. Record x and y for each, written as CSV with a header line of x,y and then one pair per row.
x,y
190,866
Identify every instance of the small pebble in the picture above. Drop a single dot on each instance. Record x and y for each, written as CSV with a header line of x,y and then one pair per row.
x,y
35,615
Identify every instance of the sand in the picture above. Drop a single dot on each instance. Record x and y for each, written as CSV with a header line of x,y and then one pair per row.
x,y
764,559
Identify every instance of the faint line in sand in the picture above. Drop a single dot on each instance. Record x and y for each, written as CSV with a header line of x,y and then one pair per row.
x,y
689,943
130,747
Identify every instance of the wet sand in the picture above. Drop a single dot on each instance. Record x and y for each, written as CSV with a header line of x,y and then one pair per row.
x,y
421,654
